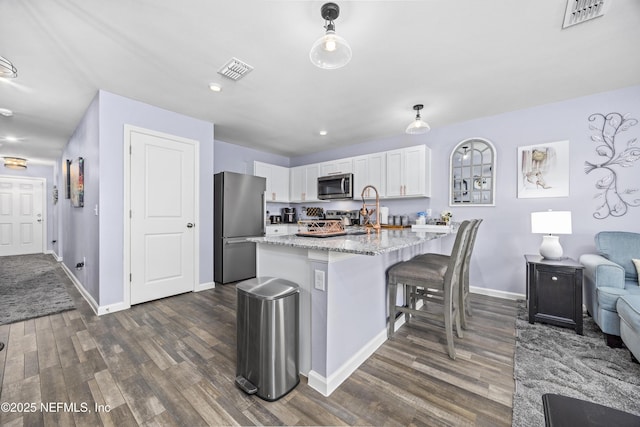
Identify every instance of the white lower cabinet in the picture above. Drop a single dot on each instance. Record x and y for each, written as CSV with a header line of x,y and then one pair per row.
x,y
280,229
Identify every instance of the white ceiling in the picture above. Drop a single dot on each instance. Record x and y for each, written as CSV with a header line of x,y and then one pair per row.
x,y
462,59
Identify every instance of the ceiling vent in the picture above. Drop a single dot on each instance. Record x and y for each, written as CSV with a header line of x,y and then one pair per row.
x,y
235,69
579,11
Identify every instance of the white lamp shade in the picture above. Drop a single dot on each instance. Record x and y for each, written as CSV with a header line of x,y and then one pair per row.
x,y
551,222
330,51
418,126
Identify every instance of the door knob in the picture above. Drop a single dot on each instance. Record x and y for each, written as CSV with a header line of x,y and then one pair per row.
x,y
190,225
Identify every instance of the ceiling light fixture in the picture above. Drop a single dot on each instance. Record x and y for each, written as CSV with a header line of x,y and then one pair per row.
x,y
215,87
6,112
330,51
418,126
323,133
7,69
15,163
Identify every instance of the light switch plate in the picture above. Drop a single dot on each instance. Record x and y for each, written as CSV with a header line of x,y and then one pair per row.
x,y
318,280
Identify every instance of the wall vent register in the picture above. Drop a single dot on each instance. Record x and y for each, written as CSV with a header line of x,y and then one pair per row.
x,y
235,69
579,11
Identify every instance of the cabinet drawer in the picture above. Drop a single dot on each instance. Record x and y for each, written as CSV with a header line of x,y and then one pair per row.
x,y
555,293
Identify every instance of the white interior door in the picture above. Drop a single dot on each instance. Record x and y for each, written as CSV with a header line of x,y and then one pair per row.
x,y
163,207
21,216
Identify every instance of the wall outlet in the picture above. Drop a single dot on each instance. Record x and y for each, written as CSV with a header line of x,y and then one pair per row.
x,y
318,280
429,212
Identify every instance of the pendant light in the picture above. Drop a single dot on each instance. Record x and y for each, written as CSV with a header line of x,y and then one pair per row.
x,y
418,126
330,51
7,69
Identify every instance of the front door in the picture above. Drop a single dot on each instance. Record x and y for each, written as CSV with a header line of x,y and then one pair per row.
x,y
21,216
163,206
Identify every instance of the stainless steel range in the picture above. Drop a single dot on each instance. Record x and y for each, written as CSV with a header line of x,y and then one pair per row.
x,y
352,217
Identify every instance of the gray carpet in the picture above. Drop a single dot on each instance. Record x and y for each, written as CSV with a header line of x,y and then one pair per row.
x,y
550,359
31,286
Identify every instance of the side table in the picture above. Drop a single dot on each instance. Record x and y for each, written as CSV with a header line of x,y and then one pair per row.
x,y
554,291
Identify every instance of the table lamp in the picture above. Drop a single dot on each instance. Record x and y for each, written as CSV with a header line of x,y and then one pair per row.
x,y
550,223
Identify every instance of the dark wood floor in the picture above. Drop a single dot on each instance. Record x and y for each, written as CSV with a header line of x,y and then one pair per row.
x,y
172,362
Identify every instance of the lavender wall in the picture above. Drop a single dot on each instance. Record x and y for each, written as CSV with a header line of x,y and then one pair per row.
x,y
79,236
234,158
505,235
115,112
96,231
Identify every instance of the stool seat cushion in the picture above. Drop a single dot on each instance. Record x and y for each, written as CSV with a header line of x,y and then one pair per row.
x,y
433,258
417,271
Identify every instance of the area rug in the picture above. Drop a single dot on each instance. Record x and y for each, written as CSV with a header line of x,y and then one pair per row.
x,y
551,359
31,286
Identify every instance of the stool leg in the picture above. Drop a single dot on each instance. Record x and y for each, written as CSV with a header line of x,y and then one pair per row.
x,y
409,300
392,295
448,308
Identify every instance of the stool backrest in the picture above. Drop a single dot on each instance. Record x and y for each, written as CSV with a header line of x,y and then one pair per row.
x,y
471,241
457,254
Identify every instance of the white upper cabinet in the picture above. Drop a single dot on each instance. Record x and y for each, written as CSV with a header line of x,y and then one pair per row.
x,y
398,173
277,181
369,169
335,167
408,172
304,183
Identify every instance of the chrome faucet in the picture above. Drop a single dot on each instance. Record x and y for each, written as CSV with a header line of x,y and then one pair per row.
x,y
367,213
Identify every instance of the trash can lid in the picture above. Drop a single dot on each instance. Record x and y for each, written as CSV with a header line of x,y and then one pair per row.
x,y
267,288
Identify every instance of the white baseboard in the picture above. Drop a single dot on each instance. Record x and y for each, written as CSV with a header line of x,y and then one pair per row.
x,y
112,308
54,254
326,386
204,286
97,309
86,295
496,293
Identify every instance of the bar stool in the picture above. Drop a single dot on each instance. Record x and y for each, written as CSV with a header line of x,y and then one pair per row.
x,y
436,281
465,300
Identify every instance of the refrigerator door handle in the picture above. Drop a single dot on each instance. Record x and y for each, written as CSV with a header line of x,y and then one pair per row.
x,y
235,240
264,213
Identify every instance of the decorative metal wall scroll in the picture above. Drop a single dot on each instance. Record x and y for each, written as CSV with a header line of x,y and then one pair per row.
x,y
615,201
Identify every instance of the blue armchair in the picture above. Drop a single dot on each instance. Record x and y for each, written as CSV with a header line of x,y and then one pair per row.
x,y
609,275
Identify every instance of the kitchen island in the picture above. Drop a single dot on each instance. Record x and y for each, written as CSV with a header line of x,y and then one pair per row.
x,y
343,298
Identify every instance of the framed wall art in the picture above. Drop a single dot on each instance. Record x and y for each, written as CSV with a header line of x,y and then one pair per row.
x,y
67,179
77,183
543,170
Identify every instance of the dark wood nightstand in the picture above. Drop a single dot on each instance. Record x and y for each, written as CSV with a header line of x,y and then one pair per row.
x,y
554,291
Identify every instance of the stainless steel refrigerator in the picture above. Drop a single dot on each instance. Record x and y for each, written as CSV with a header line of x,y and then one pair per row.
x,y
238,213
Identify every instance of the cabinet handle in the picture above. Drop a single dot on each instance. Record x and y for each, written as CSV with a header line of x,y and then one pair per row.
x,y
554,278
273,196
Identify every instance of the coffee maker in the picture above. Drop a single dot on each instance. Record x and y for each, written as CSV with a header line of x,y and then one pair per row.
x,y
289,215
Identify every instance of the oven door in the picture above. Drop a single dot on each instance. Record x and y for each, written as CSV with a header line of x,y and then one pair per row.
x,y
335,187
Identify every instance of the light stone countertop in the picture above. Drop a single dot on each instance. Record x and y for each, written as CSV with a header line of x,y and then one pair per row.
x,y
388,240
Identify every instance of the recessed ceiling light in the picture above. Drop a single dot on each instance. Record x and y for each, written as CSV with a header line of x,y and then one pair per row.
x,y
215,87
322,132
10,139
6,112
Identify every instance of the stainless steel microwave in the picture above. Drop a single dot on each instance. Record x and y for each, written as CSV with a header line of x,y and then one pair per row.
x,y
335,187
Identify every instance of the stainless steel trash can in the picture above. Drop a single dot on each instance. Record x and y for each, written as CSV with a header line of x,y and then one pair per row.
x,y
267,336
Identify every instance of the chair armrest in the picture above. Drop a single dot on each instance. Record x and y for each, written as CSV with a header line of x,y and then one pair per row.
x,y
602,272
